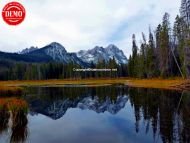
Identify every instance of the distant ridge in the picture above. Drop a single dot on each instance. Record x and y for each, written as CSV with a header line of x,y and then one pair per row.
x,y
57,53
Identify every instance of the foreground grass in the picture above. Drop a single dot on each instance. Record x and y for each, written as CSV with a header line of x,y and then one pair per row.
x,y
176,84
14,105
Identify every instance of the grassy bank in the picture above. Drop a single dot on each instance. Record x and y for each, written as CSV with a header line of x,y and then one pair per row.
x,y
176,84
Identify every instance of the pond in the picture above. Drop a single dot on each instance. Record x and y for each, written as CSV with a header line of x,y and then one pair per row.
x,y
104,114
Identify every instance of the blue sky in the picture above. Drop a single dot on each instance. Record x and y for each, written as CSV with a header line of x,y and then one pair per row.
x,y
83,24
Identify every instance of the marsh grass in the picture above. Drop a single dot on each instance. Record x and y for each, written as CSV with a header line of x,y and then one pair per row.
x,y
173,83
13,105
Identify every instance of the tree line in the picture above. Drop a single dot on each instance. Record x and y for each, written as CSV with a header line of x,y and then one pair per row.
x,y
54,70
166,52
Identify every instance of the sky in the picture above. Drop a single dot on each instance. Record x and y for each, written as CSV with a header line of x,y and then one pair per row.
x,y
84,24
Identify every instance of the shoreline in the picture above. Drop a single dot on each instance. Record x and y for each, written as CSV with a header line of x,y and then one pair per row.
x,y
172,84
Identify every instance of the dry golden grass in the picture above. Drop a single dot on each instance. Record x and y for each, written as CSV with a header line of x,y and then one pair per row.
x,y
13,104
146,83
63,82
157,83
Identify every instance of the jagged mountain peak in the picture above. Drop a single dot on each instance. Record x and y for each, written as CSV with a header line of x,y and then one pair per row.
x,y
56,46
99,53
112,47
57,52
28,50
98,48
81,52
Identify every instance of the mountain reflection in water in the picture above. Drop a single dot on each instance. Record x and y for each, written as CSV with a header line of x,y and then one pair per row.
x,y
104,114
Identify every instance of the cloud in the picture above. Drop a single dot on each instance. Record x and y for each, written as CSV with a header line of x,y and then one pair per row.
x,y
83,24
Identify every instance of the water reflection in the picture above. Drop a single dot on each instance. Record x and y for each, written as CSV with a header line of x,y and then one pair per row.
x,y
158,109
19,127
105,114
54,102
13,114
4,119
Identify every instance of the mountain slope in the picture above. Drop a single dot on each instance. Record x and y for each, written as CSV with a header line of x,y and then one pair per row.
x,y
24,58
99,53
58,53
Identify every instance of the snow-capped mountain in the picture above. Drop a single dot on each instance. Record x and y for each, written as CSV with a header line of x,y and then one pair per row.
x,y
28,50
118,54
55,50
58,53
99,53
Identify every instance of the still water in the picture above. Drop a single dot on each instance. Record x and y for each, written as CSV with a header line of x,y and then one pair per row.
x,y
109,114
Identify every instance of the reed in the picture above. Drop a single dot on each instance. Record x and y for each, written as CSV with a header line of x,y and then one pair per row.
x,y
13,105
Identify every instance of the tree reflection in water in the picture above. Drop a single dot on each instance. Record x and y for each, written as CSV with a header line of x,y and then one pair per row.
x,y
19,127
4,117
158,108
15,110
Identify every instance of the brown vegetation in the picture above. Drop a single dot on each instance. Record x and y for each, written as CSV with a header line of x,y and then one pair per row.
x,y
176,83
158,83
13,104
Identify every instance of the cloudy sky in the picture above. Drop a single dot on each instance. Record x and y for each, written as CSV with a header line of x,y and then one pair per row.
x,y
83,24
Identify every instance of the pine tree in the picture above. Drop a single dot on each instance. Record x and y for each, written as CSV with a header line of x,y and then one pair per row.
x,y
130,67
157,49
134,59
179,41
151,57
142,59
164,47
